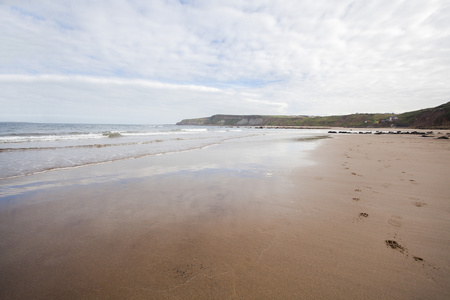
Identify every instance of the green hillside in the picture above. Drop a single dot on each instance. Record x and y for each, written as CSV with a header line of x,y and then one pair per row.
x,y
437,117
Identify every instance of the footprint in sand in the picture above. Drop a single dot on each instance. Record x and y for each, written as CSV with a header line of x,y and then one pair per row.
x,y
355,174
395,221
217,210
419,203
394,245
361,217
183,273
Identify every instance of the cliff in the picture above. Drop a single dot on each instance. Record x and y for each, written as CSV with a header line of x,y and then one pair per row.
x,y
437,117
242,120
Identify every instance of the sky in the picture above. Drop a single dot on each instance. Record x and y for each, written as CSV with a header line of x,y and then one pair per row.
x,y
158,62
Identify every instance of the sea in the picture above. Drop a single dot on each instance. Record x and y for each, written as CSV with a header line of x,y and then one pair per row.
x,y
32,148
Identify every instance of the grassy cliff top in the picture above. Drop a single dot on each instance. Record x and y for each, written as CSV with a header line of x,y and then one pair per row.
x,y
437,117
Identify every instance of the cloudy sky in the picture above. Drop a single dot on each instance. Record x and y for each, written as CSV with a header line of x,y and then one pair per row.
x,y
155,61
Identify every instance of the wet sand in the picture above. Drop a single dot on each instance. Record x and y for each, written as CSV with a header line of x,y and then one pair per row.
x,y
370,220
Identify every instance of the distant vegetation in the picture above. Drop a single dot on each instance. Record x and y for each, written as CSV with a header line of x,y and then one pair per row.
x,y
437,117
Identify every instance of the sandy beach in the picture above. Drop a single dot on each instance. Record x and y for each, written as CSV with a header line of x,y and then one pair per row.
x,y
370,219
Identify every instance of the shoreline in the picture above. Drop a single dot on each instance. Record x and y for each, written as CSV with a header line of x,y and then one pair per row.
x,y
350,128
320,231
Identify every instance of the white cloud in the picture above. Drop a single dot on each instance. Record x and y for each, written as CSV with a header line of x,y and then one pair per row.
x,y
166,60
103,80
57,98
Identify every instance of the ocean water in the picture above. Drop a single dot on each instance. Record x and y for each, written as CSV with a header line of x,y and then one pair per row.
x,y
30,148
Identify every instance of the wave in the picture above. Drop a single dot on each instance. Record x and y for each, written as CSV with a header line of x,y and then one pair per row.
x,y
195,129
112,135
46,137
22,138
84,164
81,146
101,145
24,154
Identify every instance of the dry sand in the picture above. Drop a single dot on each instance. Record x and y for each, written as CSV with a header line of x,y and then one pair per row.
x,y
320,233
373,189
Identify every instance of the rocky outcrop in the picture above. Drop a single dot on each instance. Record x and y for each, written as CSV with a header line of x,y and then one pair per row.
x,y
250,121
